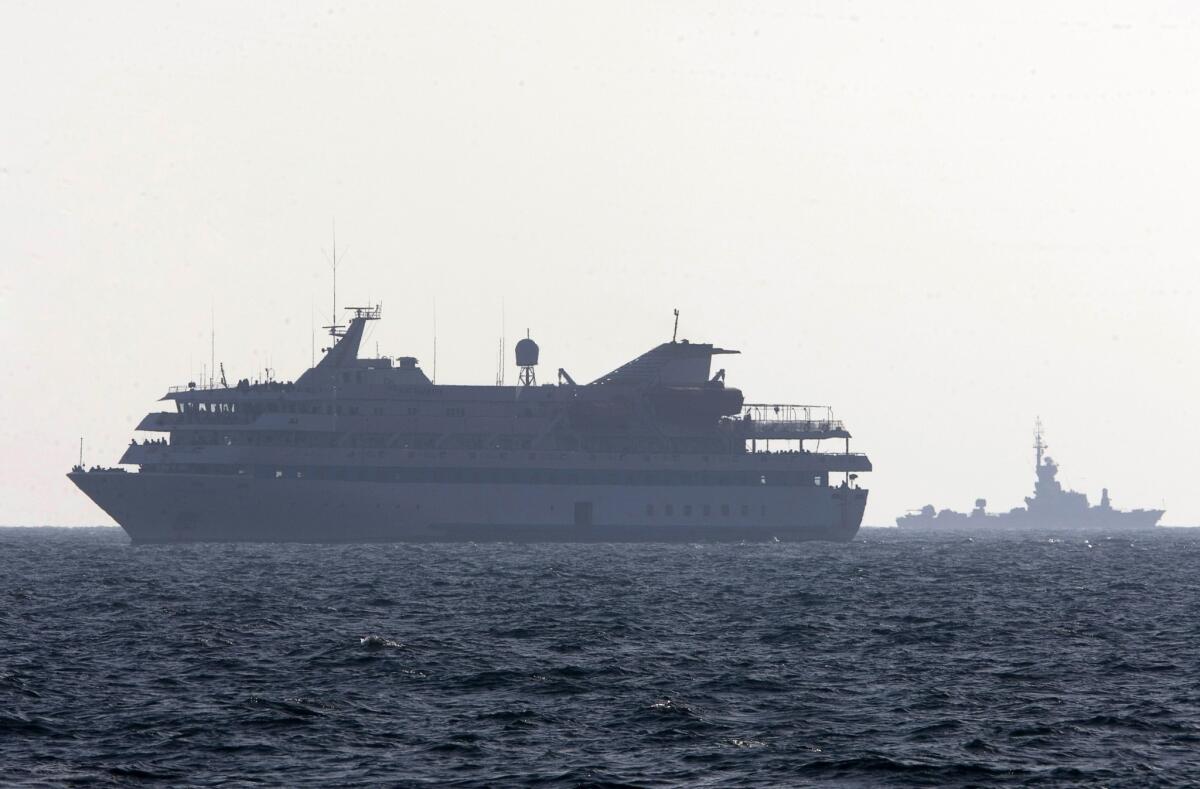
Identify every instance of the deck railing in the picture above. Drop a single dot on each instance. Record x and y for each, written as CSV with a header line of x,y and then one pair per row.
x,y
770,420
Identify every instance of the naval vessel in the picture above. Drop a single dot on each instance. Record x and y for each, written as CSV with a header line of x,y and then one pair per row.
x,y
372,450
1050,508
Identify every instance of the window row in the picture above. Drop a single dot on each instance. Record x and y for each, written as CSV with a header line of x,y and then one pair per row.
x,y
668,510
543,476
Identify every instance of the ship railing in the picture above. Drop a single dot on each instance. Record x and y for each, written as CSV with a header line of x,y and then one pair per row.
x,y
786,421
791,429
785,412
245,385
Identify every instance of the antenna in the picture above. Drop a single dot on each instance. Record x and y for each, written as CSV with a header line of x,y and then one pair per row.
x,y
334,264
333,261
675,333
81,451
224,383
435,341
500,349
212,343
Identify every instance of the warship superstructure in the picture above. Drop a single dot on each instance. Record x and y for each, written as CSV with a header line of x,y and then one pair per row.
x,y
1050,508
371,450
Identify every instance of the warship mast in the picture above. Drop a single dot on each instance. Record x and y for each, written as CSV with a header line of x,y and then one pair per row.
x,y
1039,445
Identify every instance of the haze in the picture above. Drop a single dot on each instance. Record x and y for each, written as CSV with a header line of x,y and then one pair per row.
x,y
942,222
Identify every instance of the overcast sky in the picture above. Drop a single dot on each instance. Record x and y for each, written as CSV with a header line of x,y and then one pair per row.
x,y
943,220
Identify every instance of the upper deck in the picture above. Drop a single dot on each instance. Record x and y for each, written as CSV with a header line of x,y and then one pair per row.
x,y
664,402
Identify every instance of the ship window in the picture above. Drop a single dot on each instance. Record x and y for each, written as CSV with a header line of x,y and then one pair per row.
x,y
762,480
745,509
353,409
707,510
278,473
650,510
725,510
670,509
817,480
687,509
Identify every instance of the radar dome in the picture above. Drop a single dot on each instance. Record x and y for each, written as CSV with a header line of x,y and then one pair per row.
x,y
527,353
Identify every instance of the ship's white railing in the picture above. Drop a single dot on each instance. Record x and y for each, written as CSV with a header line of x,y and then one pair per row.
x,y
786,421
786,412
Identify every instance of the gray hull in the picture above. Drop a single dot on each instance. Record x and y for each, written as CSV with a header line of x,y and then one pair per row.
x,y
172,508
1092,519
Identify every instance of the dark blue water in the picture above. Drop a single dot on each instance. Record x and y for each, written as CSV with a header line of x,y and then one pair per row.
x,y
898,660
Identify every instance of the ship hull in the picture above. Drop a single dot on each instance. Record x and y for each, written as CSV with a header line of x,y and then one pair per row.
x,y
173,508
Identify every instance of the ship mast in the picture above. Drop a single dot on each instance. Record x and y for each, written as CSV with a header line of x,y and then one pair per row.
x,y
1038,444
335,328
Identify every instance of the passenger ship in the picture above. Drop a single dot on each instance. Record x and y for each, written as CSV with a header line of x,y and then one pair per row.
x,y
371,450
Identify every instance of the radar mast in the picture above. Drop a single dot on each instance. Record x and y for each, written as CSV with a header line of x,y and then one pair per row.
x,y
1038,444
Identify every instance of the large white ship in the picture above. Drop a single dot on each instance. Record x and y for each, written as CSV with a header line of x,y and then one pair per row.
x,y
359,450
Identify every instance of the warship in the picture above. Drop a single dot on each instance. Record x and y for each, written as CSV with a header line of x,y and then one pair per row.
x,y
373,450
1050,508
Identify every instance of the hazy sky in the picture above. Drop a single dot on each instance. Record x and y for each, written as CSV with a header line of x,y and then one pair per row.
x,y
944,220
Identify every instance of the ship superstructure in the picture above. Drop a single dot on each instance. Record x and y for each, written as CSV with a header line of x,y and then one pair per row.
x,y
370,449
1051,507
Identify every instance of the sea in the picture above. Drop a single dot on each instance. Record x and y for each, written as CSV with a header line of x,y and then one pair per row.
x,y
900,659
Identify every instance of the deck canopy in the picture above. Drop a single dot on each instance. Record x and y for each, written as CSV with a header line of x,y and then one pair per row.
x,y
670,364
